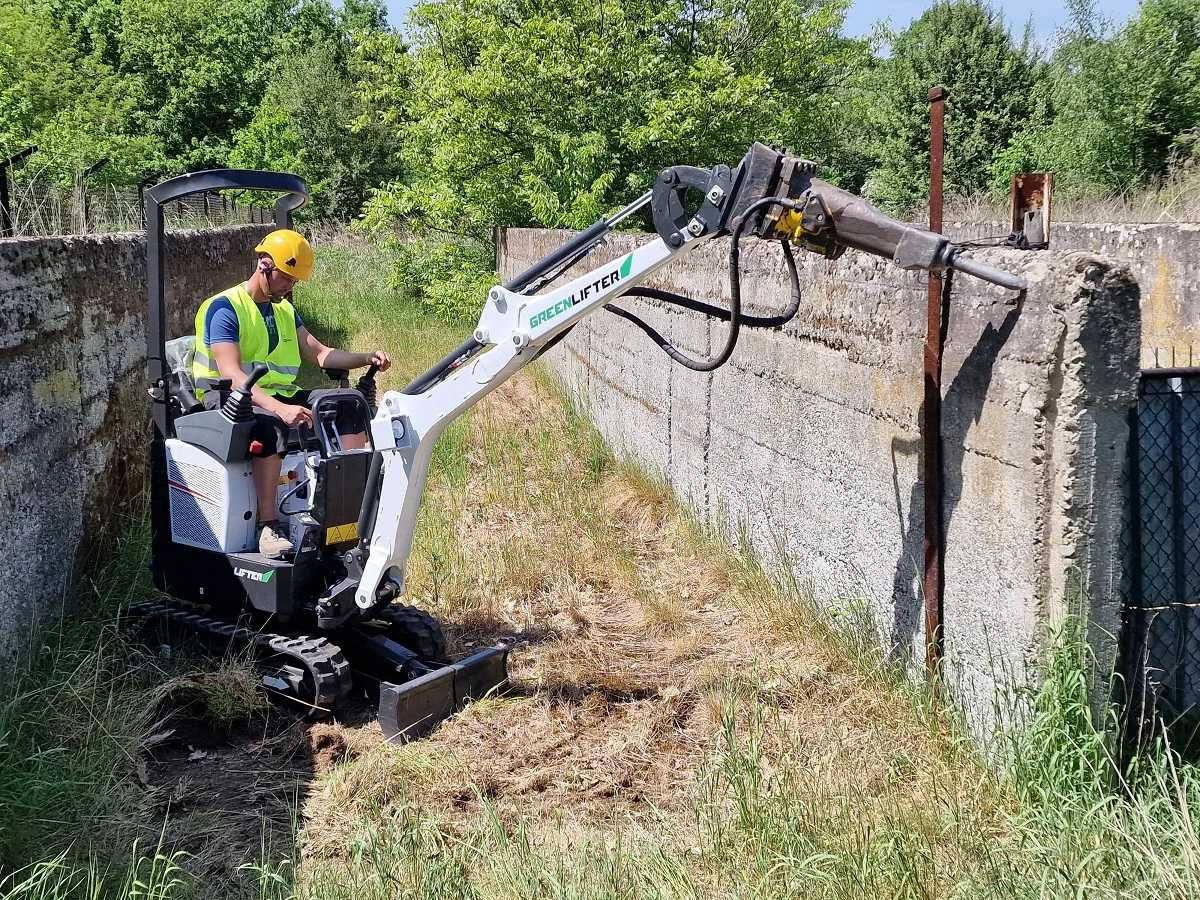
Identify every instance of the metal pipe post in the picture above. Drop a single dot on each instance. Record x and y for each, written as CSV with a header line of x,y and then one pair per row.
x,y
81,187
932,433
144,182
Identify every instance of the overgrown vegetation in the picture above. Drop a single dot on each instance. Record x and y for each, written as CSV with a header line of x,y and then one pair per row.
x,y
79,711
686,724
510,113
156,88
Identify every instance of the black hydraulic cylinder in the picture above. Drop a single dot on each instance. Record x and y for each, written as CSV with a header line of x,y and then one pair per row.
x,y
577,244
370,503
434,373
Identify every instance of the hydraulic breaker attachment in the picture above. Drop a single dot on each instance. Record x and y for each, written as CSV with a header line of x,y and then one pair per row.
x,y
414,708
825,219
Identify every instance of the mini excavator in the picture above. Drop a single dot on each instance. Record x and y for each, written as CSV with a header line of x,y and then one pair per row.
x,y
328,622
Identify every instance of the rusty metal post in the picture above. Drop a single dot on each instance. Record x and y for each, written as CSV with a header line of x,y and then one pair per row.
x,y
81,193
932,432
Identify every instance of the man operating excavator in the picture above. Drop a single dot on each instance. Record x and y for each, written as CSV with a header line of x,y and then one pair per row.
x,y
335,625
255,322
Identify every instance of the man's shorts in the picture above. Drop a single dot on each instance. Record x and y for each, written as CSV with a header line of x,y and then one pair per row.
x,y
272,434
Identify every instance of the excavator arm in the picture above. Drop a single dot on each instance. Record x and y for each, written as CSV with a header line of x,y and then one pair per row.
x,y
770,195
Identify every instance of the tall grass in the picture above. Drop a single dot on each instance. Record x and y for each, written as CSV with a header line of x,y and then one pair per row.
x,y
71,716
1086,825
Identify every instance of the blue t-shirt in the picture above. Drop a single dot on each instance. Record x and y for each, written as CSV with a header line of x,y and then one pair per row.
x,y
221,323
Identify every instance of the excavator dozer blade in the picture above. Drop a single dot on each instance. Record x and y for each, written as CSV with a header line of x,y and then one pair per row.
x,y
414,708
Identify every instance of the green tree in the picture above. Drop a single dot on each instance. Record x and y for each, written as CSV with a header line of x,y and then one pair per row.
x,y
965,47
311,121
203,66
159,86
1115,111
67,102
37,75
555,112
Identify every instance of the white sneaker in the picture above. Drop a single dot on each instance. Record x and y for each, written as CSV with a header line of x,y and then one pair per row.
x,y
271,543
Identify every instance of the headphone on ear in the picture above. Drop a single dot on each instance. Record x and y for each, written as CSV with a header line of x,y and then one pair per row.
x,y
266,265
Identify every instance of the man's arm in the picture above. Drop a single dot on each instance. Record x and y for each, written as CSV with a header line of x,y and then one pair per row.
x,y
317,354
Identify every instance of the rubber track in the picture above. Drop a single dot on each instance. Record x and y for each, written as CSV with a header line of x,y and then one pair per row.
x,y
415,629
327,667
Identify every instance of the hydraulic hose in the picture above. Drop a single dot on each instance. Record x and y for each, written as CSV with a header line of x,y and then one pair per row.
x,y
291,492
734,313
717,312
443,366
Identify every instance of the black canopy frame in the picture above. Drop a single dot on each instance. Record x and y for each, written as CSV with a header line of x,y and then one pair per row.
x,y
295,194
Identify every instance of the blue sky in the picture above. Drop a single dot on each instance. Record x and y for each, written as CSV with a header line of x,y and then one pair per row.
x,y
1047,15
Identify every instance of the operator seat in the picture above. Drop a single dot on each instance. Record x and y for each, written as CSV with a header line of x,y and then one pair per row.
x,y
182,387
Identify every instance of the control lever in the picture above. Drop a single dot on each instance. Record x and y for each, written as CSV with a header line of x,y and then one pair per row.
x,y
366,387
341,376
238,406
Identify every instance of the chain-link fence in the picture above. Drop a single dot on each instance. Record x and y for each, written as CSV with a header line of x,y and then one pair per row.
x,y
1161,640
41,208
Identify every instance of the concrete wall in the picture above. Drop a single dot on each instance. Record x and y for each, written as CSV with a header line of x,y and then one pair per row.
x,y
1165,260
808,439
73,406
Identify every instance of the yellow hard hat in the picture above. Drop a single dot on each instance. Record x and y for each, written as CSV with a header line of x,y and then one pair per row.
x,y
290,251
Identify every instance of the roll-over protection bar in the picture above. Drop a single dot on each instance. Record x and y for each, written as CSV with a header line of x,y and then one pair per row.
x,y
294,195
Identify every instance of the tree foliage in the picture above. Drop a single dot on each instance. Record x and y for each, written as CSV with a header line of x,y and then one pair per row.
x,y
311,119
160,86
965,47
64,99
517,112
201,68
1115,112
514,112
554,112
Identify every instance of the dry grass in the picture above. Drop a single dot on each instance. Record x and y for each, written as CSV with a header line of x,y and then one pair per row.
x,y
643,646
1175,201
222,697
637,636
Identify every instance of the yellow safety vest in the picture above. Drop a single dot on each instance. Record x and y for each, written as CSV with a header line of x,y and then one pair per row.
x,y
283,363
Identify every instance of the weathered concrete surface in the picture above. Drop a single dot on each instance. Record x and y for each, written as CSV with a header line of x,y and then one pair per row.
x,y
1165,260
73,414
808,441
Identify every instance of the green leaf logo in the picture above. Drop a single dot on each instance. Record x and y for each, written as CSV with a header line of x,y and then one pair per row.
x,y
626,266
